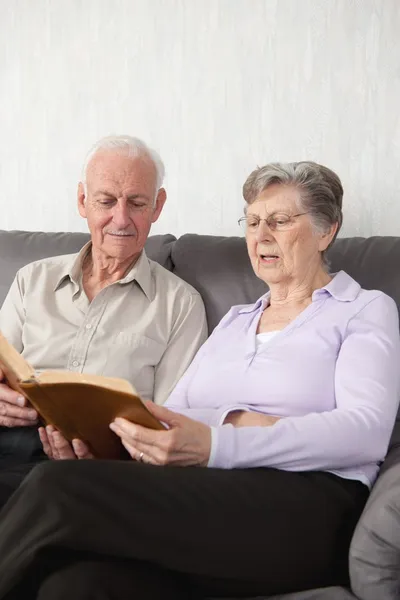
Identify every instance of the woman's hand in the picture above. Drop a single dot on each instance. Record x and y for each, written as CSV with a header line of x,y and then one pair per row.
x,y
241,418
186,442
56,447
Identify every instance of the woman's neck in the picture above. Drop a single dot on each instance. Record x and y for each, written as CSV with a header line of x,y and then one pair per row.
x,y
297,292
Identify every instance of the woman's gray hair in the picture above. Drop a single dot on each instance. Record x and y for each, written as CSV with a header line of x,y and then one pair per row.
x,y
129,146
321,190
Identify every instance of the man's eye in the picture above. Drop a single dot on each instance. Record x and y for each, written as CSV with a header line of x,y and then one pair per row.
x,y
106,202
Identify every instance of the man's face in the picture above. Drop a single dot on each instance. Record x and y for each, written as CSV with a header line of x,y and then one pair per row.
x,y
118,203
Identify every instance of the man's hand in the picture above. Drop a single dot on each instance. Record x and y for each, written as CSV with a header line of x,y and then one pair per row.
x,y
58,448
15,410
242,418
185,443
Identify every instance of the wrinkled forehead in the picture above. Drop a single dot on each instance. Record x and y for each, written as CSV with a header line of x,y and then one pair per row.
x,y
116,169
276,198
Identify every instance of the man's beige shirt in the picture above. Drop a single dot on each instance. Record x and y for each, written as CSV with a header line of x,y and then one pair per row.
x,y
145,328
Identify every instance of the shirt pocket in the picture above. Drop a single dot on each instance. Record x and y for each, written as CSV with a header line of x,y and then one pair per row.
x,y
134,357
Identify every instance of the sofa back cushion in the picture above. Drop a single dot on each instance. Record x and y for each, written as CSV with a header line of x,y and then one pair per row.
x,y
219,268
18,248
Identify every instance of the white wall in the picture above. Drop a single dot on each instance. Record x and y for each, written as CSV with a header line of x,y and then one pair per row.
x,y
217,86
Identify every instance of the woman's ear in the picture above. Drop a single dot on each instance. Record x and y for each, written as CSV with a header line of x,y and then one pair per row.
x,y
326,238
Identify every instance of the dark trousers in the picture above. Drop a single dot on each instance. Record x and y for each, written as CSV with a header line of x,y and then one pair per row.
x,y
175,532
20,451
12,474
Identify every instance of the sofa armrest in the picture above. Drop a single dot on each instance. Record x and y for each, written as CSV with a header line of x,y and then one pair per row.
x,y
375,548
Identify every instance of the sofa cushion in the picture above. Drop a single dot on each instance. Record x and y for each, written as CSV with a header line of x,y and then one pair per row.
x,y
373,262
219,268
375,547
18,248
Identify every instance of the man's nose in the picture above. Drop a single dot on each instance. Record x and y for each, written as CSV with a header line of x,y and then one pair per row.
x,y
121,216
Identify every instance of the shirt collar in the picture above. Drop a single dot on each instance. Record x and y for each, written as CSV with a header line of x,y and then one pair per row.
x,y
140,272
342,287
73,267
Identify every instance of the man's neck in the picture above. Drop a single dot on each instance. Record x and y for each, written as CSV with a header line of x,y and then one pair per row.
x,y
99,269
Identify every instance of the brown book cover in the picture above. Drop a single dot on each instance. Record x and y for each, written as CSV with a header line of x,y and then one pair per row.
x,y
78,405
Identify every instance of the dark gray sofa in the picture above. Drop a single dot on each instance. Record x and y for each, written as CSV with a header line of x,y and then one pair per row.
x,y
218,267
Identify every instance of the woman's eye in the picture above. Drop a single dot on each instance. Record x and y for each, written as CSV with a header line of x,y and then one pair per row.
x,y
281,221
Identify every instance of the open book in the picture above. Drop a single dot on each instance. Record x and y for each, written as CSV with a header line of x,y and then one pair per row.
x,y
79,406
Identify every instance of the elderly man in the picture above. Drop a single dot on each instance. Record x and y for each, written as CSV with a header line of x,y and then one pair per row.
x,y
108,310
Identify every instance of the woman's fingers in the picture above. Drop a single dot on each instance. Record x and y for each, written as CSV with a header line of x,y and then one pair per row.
x,y
81,450
45,442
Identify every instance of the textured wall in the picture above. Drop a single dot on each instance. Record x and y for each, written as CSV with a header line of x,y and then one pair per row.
x,y
217,86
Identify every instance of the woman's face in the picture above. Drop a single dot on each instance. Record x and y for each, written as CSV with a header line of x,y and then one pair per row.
x,y
289,249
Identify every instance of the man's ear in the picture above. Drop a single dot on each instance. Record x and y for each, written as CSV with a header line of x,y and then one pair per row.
x,y
159,205
81,199
326,238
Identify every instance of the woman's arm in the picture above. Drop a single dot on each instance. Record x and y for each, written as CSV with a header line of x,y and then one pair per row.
x,y
357,432
178,399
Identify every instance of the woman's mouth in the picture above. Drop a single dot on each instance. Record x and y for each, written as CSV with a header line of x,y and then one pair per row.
x,y
269,259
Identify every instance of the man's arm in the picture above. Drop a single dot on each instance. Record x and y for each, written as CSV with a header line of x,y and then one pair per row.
x,y
14,408
188,334
12,314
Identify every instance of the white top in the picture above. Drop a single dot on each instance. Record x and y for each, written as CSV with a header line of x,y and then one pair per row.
x,y
264,338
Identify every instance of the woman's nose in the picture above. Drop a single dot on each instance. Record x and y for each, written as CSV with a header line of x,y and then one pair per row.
x,y
263,232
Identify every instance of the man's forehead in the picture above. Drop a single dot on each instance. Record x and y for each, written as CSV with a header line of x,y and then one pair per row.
x,y
113,166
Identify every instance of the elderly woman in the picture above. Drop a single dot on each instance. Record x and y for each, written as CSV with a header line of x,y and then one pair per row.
x,y
288,408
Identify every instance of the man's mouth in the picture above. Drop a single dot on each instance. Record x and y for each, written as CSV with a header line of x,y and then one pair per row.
x,y
121,233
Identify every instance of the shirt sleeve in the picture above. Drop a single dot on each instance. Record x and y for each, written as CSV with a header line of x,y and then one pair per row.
x,y
357,431
188,334
12,314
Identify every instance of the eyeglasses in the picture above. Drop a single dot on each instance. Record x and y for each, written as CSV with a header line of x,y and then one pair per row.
x,y
275,222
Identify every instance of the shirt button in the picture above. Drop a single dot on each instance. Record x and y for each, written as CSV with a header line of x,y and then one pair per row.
x,y
88,326
75,363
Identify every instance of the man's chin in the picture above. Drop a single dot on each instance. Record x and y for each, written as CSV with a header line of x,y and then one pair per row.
x,y
122,249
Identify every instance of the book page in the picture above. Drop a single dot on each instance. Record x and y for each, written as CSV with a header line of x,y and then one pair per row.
x,y
13,364
111,383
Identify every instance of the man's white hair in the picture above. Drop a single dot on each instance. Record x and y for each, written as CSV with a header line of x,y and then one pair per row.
x,y
128,146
